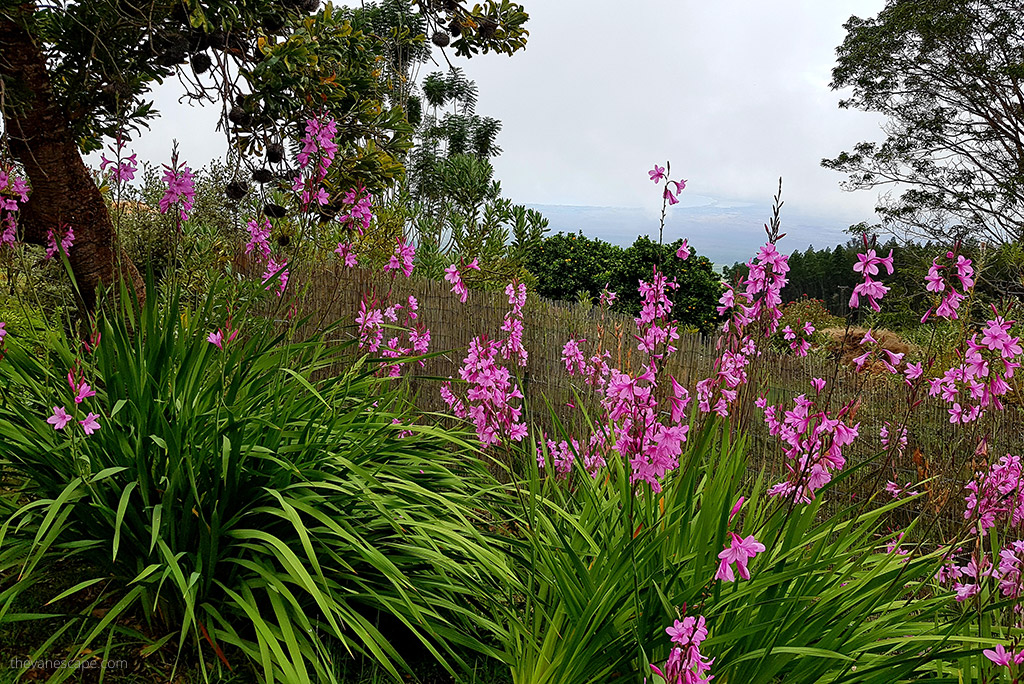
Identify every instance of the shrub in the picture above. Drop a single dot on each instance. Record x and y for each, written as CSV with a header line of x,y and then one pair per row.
x,y
250,505
608,568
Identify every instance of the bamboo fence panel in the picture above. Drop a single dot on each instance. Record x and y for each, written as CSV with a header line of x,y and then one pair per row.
x,y
936,449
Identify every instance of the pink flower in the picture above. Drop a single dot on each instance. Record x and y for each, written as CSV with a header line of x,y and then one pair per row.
x,y
59,419
684,251
736,508
402,258
345,251
452,275
258,236
180,188
740,551
657,174
474,264
669,196
999,656
278,269
90,425
818,384
3,333
84,392
216,338
67,239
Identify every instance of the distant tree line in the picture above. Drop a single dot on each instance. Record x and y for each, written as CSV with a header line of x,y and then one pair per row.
x,y
827,274
571,267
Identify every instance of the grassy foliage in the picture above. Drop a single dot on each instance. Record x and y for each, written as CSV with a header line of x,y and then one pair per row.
x,y
249,507
607,571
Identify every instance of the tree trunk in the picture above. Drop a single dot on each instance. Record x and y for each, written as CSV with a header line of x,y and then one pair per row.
x,y
63,190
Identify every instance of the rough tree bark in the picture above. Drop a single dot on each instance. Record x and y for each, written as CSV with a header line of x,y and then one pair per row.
x,y
63,191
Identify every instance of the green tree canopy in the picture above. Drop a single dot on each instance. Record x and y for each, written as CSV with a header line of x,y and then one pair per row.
x,y
948,76
567,265
78,74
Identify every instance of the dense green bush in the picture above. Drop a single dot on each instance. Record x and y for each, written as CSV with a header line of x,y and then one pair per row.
x,y
830,600
568,265
250,506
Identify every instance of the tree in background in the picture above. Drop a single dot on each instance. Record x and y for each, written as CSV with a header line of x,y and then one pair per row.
x,y
450,196
570,266
949,77
77,74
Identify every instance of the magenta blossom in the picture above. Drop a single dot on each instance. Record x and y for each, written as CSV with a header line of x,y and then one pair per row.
x,y
90,425
686,664
402,258
124,167
657,174
67,239
60,418
347,253
684,251
181,189
739,552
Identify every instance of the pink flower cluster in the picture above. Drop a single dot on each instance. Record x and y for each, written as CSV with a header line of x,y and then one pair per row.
x,y
894,436
181,189
318,144
997,495
815,444
951,287
491,397
493,393
347,253
657,175
278,269
359,214
981,380
651,445
259,236
453,276
800,344
867,265
967,579
124,168
890,360
739,552
53,245
372,318
657,332
13,192
217,338
686,664
402,259
512,345
82,391
753,311
417,334
594,371
898,492
259,241
564,453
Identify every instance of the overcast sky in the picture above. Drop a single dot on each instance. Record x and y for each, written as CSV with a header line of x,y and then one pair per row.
x,y
734,93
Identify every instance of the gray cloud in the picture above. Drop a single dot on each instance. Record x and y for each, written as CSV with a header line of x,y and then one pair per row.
x,y
734,93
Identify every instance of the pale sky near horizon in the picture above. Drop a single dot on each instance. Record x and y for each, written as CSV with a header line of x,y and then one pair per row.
x,y
734,94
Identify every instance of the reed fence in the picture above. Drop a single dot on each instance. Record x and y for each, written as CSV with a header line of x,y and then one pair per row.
x,y
937,451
